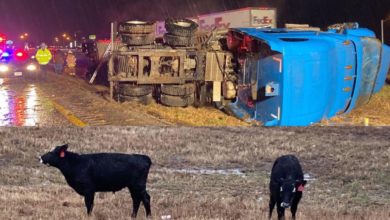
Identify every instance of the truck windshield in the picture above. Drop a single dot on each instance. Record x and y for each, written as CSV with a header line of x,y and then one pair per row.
x,y
370,69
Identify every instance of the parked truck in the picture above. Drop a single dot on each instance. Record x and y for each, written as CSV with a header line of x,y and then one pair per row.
x,y
277,77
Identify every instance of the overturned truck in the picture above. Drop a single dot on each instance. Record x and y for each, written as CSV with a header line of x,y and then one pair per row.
x,y
277,77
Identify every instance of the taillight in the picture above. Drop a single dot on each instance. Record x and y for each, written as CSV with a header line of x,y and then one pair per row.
x,y
19,54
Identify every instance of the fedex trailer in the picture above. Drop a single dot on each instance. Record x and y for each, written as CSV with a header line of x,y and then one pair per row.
x,y
244,17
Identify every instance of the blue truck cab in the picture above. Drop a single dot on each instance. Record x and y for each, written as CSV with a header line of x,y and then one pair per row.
x,y
293,77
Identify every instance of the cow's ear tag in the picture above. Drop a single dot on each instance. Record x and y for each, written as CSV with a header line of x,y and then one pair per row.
x,y
62,154
300,188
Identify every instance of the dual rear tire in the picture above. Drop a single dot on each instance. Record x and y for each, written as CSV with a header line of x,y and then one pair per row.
x,y
137,33
135,93
180,32
177,95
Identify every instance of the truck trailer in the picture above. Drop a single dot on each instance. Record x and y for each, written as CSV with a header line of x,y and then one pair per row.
x,y
243,17
271,76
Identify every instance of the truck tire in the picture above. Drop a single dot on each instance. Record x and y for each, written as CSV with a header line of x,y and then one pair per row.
x,y
134,90
177,101
137,39
178,90
173,40
136,27
180,27
145,100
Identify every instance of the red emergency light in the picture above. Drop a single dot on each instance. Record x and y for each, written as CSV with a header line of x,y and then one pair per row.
x,y
2,38
20,55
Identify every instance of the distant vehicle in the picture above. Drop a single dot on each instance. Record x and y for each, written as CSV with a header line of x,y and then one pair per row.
x,y
16,63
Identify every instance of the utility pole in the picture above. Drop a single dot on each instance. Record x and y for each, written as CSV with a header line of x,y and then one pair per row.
x,y
382,27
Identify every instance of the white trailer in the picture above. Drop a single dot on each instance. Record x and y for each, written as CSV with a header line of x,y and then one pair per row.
x,y
244,17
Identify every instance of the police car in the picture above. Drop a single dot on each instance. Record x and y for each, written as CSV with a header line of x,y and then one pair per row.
x,y
16,62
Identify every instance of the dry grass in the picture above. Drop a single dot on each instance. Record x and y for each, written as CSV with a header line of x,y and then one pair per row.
x,y
350,165
377,111
190,116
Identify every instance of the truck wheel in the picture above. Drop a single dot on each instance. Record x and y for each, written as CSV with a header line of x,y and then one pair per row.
x,y
178,90
145,100
177,101
137,39
173,40
136,27
180,27
135,90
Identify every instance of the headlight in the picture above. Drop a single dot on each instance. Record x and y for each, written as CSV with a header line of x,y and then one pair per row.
x,y
3,68
31,67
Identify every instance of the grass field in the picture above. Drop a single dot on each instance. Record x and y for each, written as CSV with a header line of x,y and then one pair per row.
x,y
203,173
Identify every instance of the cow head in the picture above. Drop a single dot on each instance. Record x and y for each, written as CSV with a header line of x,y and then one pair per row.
x,y
288,190
55,156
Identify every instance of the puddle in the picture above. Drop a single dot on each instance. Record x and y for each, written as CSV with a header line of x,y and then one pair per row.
x,y
18,110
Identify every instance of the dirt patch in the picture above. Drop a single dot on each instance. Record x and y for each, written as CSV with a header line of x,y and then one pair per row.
x,y
348,166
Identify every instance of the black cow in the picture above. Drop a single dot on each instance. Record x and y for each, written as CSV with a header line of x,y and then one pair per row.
x,y
286,185
103,172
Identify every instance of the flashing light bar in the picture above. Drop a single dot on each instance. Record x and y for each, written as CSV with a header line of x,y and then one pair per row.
x,y
5,54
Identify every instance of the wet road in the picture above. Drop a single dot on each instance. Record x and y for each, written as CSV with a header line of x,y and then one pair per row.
x,y
49,99
22,103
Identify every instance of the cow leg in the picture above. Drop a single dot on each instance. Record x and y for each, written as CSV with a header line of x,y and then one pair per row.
x,y
294,206
271,206
146,202
88,199
136,201
280,211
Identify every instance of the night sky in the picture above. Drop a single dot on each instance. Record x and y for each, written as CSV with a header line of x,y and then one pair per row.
x,y
44,19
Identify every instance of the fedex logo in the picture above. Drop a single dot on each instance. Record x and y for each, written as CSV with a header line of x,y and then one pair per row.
x,y
261,20
218,23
